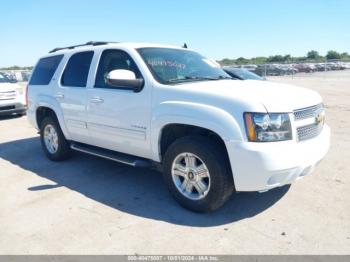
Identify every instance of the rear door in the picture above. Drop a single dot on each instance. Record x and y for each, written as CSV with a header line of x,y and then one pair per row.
x,y
119,118
72,95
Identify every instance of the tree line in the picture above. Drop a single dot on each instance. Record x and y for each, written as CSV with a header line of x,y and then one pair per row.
x,y
17,68
311,56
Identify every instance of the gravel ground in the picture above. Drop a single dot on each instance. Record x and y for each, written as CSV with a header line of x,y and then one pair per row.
x,y
88,205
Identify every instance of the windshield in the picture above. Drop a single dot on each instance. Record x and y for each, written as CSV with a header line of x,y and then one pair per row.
x,y
4,79
243,74
172,66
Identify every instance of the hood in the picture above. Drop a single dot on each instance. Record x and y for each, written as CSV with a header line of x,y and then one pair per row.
x,y
275,97
7,87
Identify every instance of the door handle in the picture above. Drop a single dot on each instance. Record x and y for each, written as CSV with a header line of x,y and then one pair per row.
x,y
96,100
59,95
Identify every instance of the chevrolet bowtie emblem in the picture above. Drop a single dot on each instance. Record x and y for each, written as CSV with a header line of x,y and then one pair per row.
x,y
320,118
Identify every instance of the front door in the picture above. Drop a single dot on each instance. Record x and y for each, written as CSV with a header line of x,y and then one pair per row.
x,y
119,118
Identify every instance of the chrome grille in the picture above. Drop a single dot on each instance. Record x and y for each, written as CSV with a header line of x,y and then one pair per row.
x,y
308,112
8,95
309,131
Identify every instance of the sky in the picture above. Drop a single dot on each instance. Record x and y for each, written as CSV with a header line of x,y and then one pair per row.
x,y
217,29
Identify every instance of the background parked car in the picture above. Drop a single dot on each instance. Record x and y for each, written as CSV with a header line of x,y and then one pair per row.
x,y
12,99
242,74
305,68
275,70
250,67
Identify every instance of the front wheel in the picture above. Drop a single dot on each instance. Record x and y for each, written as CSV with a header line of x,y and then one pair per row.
x,y
197,173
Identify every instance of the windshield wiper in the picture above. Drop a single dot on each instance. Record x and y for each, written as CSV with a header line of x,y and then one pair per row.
x,y
197,78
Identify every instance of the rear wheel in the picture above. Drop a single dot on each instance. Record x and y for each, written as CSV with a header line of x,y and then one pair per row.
x,y
198,174
55,145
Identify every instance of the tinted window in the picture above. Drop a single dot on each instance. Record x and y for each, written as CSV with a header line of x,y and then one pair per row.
x,y
113,60
45,69
77,69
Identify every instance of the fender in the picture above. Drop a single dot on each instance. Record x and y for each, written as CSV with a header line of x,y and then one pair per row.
x,y
195,114
50,102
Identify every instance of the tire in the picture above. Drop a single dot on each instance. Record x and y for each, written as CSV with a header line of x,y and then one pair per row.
x,y
62,150
219,180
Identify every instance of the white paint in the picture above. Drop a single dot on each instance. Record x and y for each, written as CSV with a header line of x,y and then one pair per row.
x,y
121,74
114,122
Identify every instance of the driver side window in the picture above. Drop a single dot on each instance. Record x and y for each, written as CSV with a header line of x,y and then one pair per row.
x,y
110,60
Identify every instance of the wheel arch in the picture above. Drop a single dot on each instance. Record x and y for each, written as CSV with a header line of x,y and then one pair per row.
x,y
173,131
209,119
45,109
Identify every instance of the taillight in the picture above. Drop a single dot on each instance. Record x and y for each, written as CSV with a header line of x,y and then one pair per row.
x,y
27,87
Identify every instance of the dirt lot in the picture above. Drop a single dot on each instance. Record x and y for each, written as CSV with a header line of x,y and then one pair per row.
x,y
89,205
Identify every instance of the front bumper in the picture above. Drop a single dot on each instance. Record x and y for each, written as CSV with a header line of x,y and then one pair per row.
x,y
263,166
12,108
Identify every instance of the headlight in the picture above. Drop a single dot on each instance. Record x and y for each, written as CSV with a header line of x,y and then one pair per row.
x,y
262,127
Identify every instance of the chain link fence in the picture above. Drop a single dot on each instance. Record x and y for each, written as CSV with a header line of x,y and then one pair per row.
x,y
294,68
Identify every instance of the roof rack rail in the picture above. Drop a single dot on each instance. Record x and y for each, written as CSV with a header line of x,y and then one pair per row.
x,y
93,43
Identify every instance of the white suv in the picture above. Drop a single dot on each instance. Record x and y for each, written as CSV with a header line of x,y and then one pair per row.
x,y
12,98
153,105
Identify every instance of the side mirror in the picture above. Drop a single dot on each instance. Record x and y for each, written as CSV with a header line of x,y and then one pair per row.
x,y
124,79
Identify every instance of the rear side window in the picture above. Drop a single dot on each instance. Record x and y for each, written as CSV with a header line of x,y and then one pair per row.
x,y
77,69
45,70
